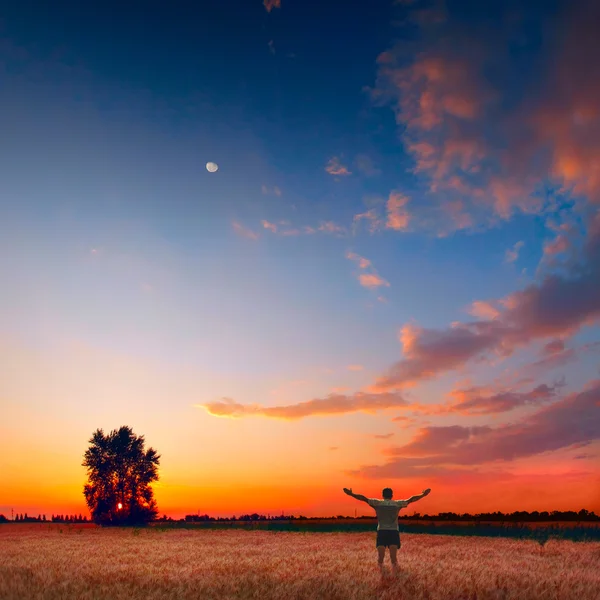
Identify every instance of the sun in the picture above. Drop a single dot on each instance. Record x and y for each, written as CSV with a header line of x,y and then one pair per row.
x,y
119,506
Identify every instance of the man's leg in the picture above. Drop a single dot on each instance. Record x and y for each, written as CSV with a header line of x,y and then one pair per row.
x,y
394,557
381,556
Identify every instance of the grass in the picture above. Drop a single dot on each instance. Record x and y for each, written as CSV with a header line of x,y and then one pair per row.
x,y
84,562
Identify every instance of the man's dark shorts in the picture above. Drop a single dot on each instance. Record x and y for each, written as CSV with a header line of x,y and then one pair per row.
x,y
387,537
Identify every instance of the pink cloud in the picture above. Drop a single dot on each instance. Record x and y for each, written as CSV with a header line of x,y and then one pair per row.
x,y
244,231
372,280
271,4
331,227
554,358
512,254
371,216
355,367
369,280
572,422
335,167
554,347
473,402
383,436
270,226
484,310
362,262
397,215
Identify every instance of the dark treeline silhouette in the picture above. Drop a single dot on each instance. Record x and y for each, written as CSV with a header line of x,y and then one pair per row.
x,y
515,517
25,518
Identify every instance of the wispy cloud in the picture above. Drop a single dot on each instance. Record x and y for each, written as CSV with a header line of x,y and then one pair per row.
x,y
270,226
365,165
474,401
271,4
369,280
355,367
244,231
512,254
383,436
335,167
276,191
331,227
286,229
362,262
334,404
371,216
553,357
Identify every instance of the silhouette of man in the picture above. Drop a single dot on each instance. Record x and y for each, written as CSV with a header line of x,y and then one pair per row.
x,y
388,534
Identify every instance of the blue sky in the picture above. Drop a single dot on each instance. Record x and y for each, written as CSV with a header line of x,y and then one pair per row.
x,y
382,167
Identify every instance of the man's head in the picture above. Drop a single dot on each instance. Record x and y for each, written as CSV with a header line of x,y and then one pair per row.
x,y
387,493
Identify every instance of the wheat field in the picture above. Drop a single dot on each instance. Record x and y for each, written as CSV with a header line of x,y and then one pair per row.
x,y
82,562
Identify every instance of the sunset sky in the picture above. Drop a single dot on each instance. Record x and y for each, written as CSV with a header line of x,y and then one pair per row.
x,y
393,279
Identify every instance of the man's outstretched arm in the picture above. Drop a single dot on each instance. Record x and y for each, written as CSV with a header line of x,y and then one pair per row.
x,y
357,496
419,496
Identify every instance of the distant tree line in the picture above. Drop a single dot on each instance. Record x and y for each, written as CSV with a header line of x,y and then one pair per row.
x,y
517,516
25,518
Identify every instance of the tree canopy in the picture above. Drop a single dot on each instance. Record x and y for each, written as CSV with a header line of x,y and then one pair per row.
x,y
120,472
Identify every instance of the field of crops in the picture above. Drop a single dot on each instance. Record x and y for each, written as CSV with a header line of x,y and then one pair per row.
x,y
42,561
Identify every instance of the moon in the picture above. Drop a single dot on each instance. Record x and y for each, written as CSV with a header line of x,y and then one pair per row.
x,y
212,167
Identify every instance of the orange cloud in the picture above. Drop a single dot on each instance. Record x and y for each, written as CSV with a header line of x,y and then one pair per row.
x,y
363,263
397,215
369,280
271,4
372,280
334,404
244,231
484,310
270,226
335,167
355,367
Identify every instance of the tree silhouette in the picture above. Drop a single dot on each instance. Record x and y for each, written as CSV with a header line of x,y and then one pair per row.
x,y
120,472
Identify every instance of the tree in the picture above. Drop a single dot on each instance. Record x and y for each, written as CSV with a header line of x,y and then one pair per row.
x,y
120,472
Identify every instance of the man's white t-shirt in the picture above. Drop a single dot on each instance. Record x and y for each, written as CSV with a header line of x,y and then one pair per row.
x,y
387,512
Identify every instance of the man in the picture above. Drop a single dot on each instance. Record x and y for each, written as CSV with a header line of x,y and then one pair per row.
x,y
388,534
